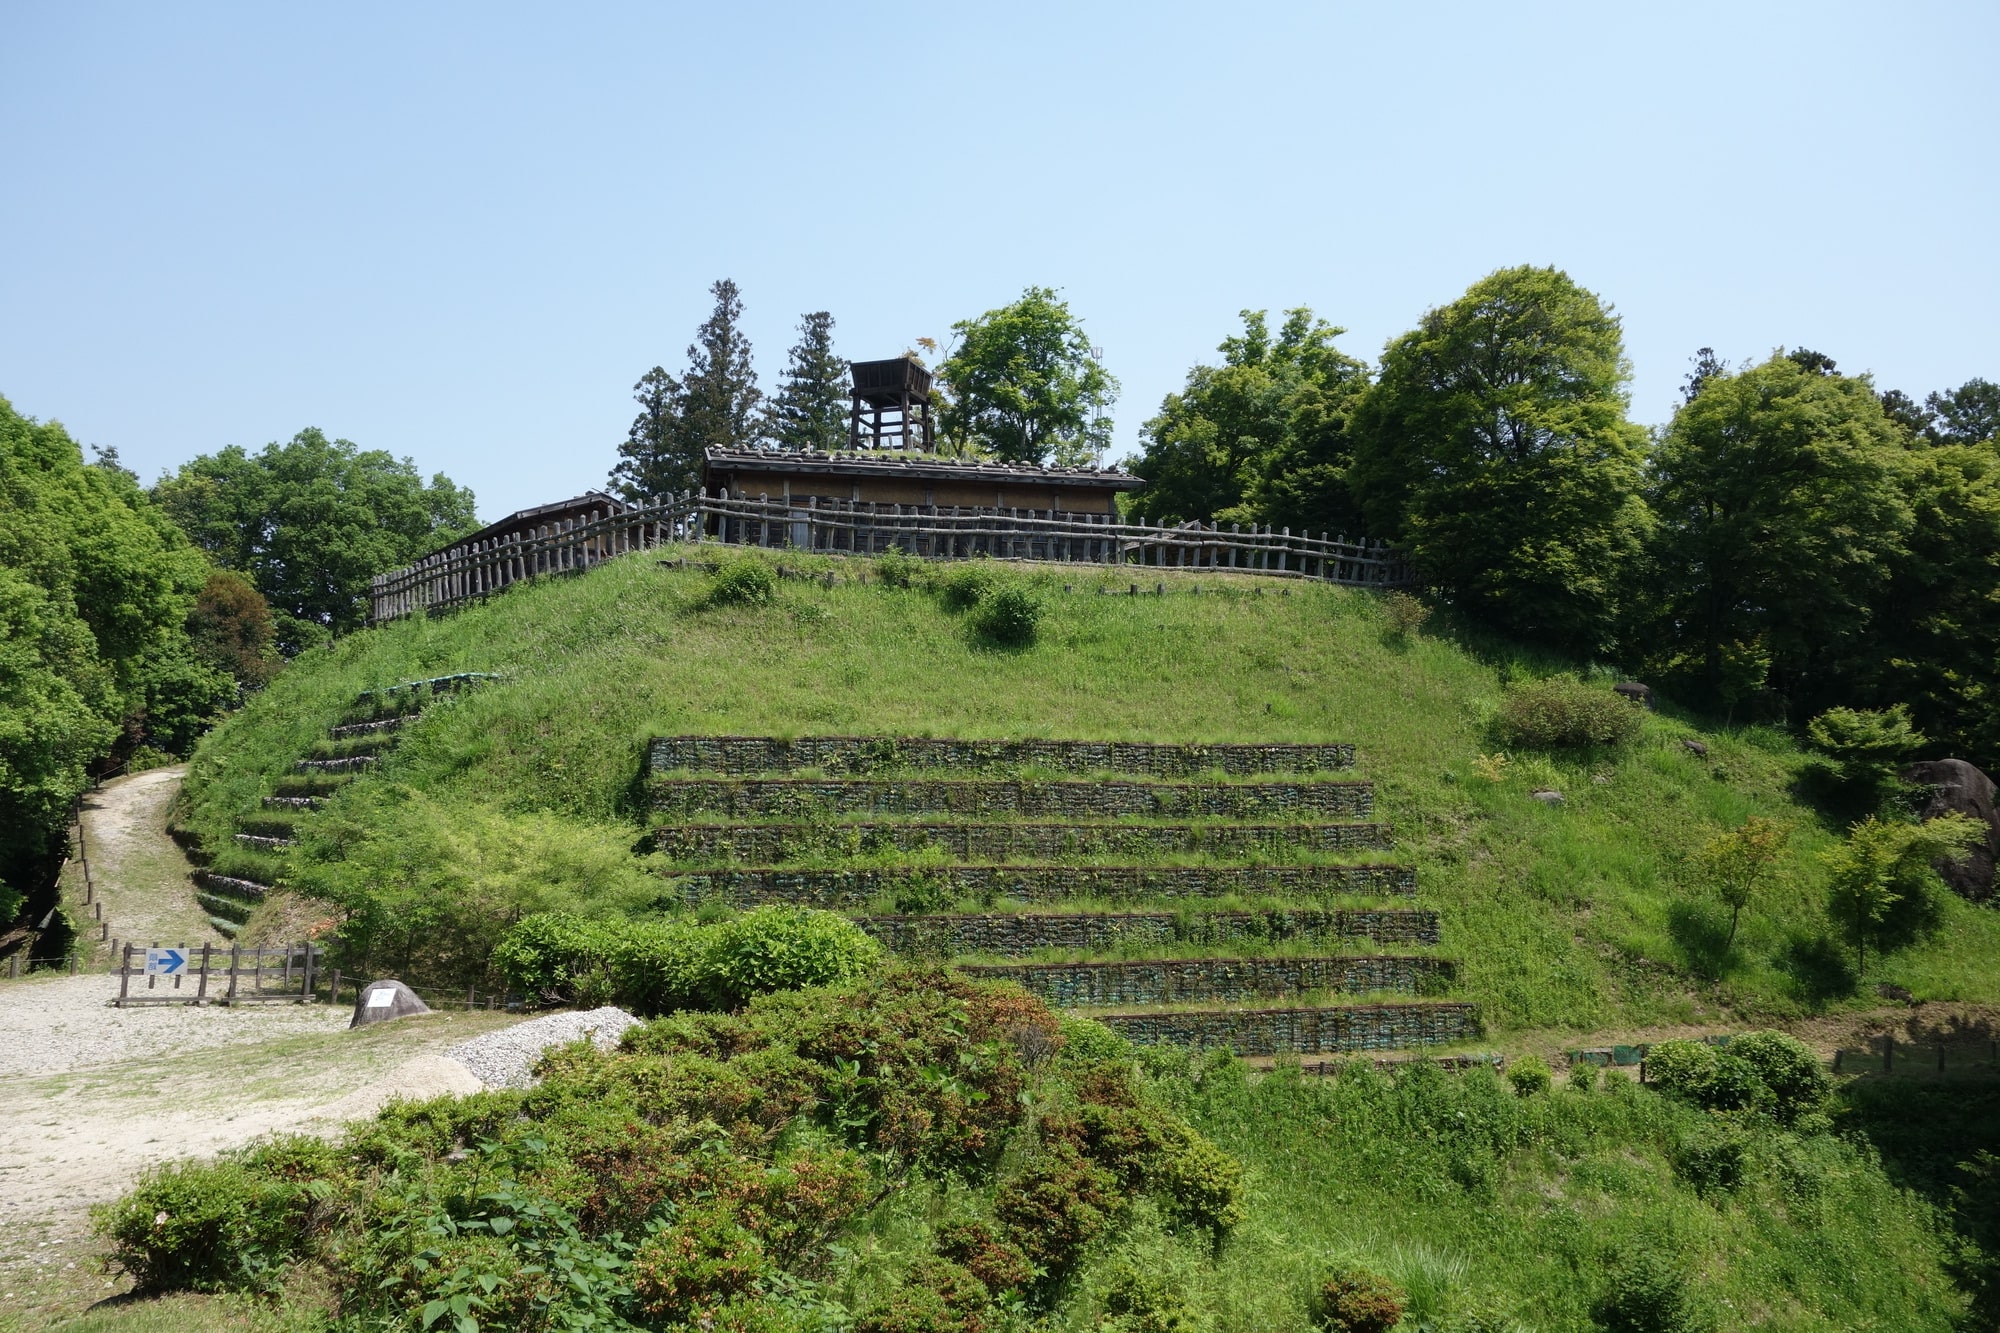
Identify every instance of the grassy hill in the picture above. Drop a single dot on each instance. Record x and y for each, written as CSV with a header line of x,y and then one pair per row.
x,y
1492,1209
1581,916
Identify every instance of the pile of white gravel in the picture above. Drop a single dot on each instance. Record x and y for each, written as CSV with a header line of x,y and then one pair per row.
x,y
502,1059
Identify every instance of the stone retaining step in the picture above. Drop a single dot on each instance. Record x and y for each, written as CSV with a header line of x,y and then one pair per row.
x,y
235,888
1306,1031
1011,934
293,802
1215,980
264,844
866,754
315,784
855,888
349,764
1011,842
1000,797
221,908
378,728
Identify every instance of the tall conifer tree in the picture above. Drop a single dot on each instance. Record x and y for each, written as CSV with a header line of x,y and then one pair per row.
x,y
810,410
654,460
719,393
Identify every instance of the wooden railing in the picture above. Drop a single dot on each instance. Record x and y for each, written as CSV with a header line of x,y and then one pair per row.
x,y
841,527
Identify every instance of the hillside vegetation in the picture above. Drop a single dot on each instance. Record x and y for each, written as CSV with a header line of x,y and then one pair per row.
x,y
527,794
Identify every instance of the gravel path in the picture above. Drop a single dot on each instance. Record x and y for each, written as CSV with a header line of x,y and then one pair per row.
x,y
60,1024
502,1059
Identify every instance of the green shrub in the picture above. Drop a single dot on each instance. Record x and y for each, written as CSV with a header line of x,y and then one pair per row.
x,y
896,568
1682,1069
1352,1300
1583,1076
966,586
1404,613
997,1263
1711,1158
1646,1293
656,967
783,948
1794,1083
1558,712
1528,1075
1145,1300
1864,745
1011,615
228,1226
745,581
1200,1184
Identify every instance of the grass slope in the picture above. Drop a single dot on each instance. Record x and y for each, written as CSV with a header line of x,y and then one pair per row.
x,y
1582,916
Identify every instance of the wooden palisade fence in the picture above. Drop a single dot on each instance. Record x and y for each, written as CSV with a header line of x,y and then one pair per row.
x,y
935,532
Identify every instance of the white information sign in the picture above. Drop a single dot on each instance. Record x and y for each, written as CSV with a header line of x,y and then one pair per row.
x,y
381,998
167,962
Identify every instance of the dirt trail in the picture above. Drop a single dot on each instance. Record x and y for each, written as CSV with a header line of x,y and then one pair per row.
x,y
141,875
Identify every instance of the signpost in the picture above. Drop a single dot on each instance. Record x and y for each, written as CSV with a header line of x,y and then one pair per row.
x,y
165,962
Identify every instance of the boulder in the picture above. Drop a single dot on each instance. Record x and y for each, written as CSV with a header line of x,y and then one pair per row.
x,y
1958,786
1634,692
381,1001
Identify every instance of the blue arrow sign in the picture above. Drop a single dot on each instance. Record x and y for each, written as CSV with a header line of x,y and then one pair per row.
x,y
165,962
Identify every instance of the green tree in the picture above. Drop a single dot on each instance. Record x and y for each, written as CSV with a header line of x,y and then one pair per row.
x,y
1023,385
810,409
719,393
1742,863
1262,438
96,584
1494,448
1969,414
655,459
311,521
1882,882
1781,511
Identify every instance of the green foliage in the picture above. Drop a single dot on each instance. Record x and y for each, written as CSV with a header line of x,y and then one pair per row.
x,y
311,521
1023,385
965,586
1529,1076
1261,438
1794,1084
1882,885
1711,1158
1764,1071
1353,1300
231,628
96,585
714,404
655,967
1558,711
231,1225
1865,746
896,568
1781,518
746,580
1743,863
1139,1300
1405,614
1494,448
1648,1293
1009,617
810,409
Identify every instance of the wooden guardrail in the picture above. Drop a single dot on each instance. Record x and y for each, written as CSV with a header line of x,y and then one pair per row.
x,y
841,527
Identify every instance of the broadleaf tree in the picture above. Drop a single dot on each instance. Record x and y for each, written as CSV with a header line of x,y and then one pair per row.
x,y
1261,438
1023,386
311,521
1494,447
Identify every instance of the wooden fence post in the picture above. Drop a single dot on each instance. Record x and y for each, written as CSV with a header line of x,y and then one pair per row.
x,y
201,991
125,975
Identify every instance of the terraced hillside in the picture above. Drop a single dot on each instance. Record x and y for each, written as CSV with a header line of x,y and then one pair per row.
x,y
620,688
1296,969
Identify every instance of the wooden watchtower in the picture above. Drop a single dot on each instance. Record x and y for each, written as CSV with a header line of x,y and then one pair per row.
x,y
896,395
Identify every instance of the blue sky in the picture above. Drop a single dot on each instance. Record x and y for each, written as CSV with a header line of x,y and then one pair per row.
x,y
460,233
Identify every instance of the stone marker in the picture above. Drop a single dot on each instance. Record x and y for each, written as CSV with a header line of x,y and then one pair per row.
x,y
381,1001
1547,797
